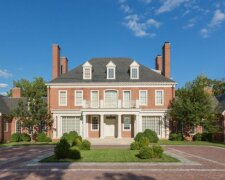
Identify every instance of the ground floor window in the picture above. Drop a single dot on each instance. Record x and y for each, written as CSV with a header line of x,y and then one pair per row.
x,y
126,123
6,126
70,123
94,123
151,122
18,126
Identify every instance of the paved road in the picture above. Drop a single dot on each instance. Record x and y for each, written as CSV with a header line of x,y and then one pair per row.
x,y
198,162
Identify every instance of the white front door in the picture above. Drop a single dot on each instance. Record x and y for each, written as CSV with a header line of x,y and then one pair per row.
x,y
109,129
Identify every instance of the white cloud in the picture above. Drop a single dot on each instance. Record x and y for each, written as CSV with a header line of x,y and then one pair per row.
x,y
3,93
3,85
124,6
217,20
4,73
140,29
169,5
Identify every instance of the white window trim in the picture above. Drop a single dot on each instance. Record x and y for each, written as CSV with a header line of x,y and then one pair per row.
x,y
156,97
59,98
124,123
6,126
75,97
140,97
114,72
98,123
90,68
131,74
124,96
92,100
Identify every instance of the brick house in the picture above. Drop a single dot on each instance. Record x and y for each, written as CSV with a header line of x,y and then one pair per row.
x,y
110,97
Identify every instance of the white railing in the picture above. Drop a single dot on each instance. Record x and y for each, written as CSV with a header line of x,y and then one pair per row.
x,y
116,104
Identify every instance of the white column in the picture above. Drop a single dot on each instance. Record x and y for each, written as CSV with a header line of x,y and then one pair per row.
x,y
139,123
136,120
55,128
119,126
84,125
101,126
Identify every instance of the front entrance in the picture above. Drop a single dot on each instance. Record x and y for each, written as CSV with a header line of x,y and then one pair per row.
x,y
110,127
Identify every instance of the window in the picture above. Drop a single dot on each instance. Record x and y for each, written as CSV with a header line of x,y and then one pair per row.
x,y
111,73
151,122
94,123
126,123
111,99
78,98
6,126
159,97
143,97
63,98
134,70
126,99
94,99
70,123
42,126
18,126
87,70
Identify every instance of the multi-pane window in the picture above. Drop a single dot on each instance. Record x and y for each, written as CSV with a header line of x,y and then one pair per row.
x,y
6,126
94,99
78,98
126,123
143,97
70,123
18,126
94,123
134,73
87,73
159,96
151,122
110,98
126,98
111,73
62,98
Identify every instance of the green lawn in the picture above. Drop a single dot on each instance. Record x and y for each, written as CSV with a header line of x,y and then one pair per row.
x,y
111,155
26,143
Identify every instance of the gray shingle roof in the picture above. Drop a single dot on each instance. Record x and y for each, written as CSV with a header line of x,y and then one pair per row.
x,y
122,72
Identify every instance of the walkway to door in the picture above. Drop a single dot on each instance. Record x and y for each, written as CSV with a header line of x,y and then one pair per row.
x,y
111,141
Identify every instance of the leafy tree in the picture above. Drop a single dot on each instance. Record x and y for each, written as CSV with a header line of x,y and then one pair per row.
x,y
32,110
194,106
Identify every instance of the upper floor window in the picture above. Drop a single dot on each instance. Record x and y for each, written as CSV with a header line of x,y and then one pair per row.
x,y
87,70
78,98
94,99
111,70
143,97
134,70
159,97
62,98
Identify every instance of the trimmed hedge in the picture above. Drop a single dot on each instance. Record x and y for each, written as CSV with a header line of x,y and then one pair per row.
x,y
74,153
42,137
151,135
70,137
62,149
158,151
146,153
176,136
77,142
139,136
85,145
144,141
135,145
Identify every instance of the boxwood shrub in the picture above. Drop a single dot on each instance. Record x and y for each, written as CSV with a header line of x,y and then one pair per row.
x,y
70,137
62,149
158,151
135,145
41,137
151,135
16,137
139,136
144,141
146,153
25,137
85,145
176,136
74,153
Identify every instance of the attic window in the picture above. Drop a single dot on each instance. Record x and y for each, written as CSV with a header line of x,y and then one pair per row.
x,y
134,70
87,70
111,70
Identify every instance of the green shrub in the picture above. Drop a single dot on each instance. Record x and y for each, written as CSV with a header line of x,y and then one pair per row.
x,y
207,136
139,136
144,141
135,145
70,137
158,151
25,137
74,153
79,137
146,153
62,149
85,145
197,137
16,137
151,135
77,142
176,136
41,137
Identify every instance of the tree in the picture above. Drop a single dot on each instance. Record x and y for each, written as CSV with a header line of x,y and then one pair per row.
x,y
32,111
194,106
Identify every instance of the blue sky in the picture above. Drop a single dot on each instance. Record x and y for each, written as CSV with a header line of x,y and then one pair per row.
x,y
111,28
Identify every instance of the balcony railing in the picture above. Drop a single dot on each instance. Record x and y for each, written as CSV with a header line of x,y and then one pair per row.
x,y
115,104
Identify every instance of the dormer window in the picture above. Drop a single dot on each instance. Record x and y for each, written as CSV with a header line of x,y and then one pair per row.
x,y
134,70
111,70
87,70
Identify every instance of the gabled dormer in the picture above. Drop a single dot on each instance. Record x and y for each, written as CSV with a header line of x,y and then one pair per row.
x,y
134,70
87,70
111,70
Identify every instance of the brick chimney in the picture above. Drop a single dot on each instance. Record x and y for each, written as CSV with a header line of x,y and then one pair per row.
x,y
166,59
55,61
16,92
64,65
158,63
